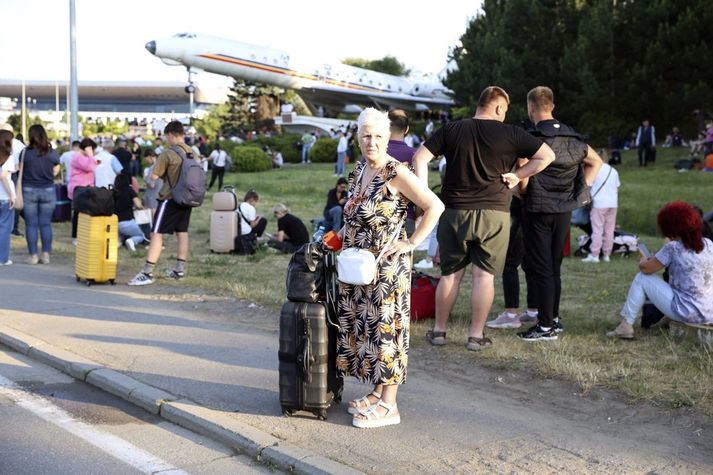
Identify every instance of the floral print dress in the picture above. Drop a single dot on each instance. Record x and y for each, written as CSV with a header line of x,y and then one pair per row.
x,y
374,319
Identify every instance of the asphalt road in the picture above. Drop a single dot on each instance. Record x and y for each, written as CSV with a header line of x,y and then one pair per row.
x,y
52,424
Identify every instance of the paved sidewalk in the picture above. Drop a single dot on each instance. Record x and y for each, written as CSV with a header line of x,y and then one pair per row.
x,y
219,358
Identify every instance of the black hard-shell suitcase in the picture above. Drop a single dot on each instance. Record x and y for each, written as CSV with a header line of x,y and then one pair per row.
x,y
307,359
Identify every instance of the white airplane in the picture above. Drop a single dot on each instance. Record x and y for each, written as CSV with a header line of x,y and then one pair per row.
x,y
334,86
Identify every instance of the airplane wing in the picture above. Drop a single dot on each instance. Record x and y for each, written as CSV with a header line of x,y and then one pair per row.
x,y
330,95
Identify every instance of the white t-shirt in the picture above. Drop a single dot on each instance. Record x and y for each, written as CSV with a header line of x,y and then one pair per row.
x,y
218,157
17,147
66,160
249,213
8,168
607,196
342,146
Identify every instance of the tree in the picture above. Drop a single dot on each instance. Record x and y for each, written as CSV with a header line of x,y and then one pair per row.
x,y
610,63
387,64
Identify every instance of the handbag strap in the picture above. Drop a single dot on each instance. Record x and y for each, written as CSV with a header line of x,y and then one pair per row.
x,y
605,182
22,168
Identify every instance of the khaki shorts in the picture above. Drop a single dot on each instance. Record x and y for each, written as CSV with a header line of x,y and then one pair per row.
x,y
479,237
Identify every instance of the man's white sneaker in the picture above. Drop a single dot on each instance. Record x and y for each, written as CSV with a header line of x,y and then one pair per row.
x,y
606,259
141,279
590,258
505,320
423,264
129,243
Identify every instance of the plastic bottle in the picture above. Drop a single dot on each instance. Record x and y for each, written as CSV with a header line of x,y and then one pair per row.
x,y
317,237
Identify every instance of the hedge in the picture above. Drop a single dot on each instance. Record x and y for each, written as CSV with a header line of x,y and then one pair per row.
x,y
287,144
324,150
250,159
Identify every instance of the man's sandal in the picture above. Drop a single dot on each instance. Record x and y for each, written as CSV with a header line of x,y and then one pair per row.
x,y
436,338
373,418
361,405
477,344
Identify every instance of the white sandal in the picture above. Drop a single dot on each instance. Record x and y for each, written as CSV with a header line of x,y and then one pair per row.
x,y
375,419
363,404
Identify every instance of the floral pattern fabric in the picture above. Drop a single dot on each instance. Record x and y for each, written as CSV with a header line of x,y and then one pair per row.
x,y
373,338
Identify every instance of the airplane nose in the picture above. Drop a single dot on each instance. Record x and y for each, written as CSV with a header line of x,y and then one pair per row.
x,y
151,47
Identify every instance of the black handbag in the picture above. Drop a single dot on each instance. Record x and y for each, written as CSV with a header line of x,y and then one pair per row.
x,y
93,200
581,191
306,277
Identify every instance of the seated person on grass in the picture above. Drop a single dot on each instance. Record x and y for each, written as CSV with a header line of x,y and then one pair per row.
x,y
336,197
251,222
291,231
688,296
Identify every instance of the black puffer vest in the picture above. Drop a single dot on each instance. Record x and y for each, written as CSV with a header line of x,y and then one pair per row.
x,y
553,189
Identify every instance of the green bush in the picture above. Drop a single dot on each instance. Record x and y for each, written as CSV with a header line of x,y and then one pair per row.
x,y
324,150
250,159
287,144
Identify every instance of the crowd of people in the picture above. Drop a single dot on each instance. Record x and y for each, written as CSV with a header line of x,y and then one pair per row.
x,y
506,201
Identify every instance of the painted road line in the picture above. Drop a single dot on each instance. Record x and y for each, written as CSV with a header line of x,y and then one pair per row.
x,y
108,443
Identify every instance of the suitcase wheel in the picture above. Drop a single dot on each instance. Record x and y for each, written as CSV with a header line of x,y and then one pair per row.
x,y
321,414
77,277
88,283
112,281
287,412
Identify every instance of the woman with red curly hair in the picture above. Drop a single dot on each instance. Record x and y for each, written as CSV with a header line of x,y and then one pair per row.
x,y
688,296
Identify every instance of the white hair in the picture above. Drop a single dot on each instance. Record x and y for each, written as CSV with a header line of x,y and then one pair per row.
x,y
280,208
375,118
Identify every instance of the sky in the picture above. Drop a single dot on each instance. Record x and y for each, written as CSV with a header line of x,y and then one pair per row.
x,y
111,34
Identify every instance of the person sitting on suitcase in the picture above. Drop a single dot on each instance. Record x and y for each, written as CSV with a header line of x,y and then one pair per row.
x,y
291,231
170,216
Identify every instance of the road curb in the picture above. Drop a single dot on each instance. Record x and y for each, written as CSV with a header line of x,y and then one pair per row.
x,y
183,412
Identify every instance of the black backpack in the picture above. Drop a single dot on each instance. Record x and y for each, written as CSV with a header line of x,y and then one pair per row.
x,y
306,278
190,188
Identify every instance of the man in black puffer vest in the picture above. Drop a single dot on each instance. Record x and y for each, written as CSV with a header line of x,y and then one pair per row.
x,y
549,199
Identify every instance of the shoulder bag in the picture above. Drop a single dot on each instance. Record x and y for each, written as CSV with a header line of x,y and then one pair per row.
x,y
19,202
357,266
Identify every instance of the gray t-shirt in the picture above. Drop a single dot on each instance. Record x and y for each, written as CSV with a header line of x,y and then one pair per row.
x,y
691,278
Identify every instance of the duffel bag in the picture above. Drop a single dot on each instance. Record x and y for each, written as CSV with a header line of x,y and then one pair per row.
x,y
306,280
94,201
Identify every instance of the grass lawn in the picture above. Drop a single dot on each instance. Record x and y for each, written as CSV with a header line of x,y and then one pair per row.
x,y
654,367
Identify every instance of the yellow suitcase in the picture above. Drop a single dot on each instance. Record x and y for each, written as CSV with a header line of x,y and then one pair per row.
x,y
96,255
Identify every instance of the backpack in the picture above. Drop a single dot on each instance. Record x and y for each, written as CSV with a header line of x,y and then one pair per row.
x,y
190,188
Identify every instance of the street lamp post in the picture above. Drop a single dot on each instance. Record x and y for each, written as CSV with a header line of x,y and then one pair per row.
x,y
73,94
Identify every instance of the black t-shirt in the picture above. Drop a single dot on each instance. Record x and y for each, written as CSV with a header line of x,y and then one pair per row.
x,y
124,157
294,228
38,170
124,204
477,153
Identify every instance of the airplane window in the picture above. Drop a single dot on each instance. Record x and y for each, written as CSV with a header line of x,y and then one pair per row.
x,y
400,89
252,56
388,86
371,82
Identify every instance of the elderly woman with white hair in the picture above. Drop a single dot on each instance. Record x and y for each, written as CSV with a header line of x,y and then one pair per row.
x,y
373,338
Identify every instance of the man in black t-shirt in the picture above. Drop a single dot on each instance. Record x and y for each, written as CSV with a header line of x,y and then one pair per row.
x,y
481,157
291,231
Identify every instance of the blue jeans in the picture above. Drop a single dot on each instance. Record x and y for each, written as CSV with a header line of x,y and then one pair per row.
x,y
333,219
131,230
305,152
7,219
340,162
653,287
39,207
